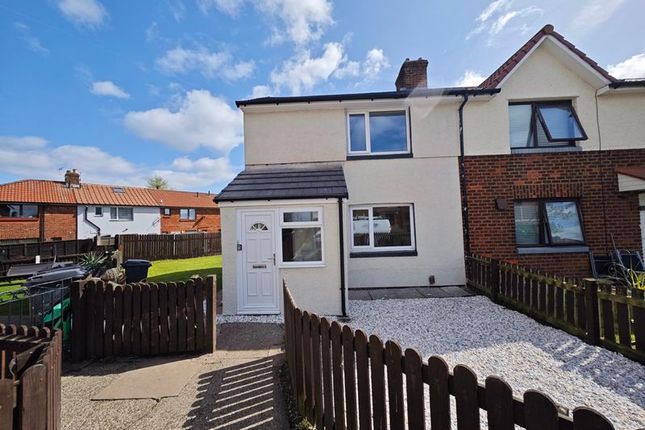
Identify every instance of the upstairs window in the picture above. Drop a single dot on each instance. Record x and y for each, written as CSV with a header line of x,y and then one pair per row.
x,y
383,132
544,124
547,223
187,214
98,211
18,211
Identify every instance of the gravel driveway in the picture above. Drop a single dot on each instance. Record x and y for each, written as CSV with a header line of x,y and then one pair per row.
x,y
493,340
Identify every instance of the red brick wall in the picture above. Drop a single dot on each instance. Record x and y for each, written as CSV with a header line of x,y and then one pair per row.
x,y
59,222
11,229
53,221
205,220
586,176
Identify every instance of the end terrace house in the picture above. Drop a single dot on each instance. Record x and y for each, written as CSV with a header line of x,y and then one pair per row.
x,y
345,191
35,210
540,164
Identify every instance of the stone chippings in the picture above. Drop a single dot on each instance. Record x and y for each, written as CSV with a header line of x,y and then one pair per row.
x,y
493,340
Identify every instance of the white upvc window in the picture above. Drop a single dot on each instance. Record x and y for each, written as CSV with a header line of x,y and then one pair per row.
x,y
301,237
382,228
119,213
378,132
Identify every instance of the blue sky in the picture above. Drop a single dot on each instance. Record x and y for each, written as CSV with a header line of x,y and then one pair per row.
x,y
126,90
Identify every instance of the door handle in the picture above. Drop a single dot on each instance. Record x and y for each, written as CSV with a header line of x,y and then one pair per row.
x,y
274,258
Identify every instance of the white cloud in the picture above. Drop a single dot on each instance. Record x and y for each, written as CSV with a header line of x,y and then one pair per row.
x,y
201,119
33,42
375,62
303,72
633,67
180,60
302,21
594,13
261,91
22,142
470,78
86,13
24,155
108,88
497,16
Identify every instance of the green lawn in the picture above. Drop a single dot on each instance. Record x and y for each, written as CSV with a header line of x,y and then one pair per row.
x,y
182,270
11,285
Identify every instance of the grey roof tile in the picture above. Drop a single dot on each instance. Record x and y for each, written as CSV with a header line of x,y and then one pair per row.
x,y
276,183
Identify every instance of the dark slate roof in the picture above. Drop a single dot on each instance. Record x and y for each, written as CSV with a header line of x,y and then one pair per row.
x,y
417,92
280,183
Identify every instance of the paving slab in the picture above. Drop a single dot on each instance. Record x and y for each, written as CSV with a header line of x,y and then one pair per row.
x,y
153,381
236,387
359,295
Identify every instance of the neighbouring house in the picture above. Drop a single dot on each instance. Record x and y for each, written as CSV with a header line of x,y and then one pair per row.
x,y
34,210
554,163
538,164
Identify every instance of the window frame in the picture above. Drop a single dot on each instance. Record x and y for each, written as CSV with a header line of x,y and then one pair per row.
x,y
166,212
98,211
194,212
21,212
381,249
544,224
368,143
301,224
118,216
536,115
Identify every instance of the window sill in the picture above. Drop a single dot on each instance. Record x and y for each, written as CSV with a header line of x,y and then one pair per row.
x,y
383,254
545,150
302,266
121,220
379,156
185,220
553,249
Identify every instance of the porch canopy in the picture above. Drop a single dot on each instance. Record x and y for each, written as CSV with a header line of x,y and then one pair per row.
x,y
631,178
286,182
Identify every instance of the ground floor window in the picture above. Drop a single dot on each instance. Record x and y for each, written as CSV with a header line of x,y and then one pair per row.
x,y
383,228
121,214
548,222
18,211
187,214
301,236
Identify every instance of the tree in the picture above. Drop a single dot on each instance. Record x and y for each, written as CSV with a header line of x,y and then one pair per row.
x,y
158,183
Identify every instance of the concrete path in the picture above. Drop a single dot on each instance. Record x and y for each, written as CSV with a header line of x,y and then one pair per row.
x,y
237,387
409,293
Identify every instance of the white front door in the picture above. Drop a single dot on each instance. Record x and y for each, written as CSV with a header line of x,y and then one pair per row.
x,y
258,292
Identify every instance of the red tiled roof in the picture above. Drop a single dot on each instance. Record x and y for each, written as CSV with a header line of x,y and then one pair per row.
x,y
498,75
55,192
635,171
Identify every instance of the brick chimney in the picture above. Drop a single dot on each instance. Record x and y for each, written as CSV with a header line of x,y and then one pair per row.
x,y
72,179
413,74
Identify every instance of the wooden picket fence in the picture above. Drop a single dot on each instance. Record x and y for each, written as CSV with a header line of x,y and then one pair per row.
x,y
110,320
597,311
169,246
30,378
344,380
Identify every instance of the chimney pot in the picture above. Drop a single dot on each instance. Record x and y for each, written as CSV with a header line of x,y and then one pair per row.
x,y
72,179
413,74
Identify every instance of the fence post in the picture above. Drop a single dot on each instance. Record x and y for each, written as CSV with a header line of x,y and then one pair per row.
x,y
591,311
211,311
78,325
494,279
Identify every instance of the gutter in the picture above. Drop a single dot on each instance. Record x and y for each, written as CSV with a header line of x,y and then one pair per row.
x,y
86,219
342,257
463,180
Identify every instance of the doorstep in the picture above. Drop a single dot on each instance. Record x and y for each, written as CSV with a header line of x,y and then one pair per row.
x,y
409,293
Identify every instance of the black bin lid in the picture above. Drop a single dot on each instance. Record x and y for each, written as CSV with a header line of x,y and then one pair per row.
x,y
135,263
